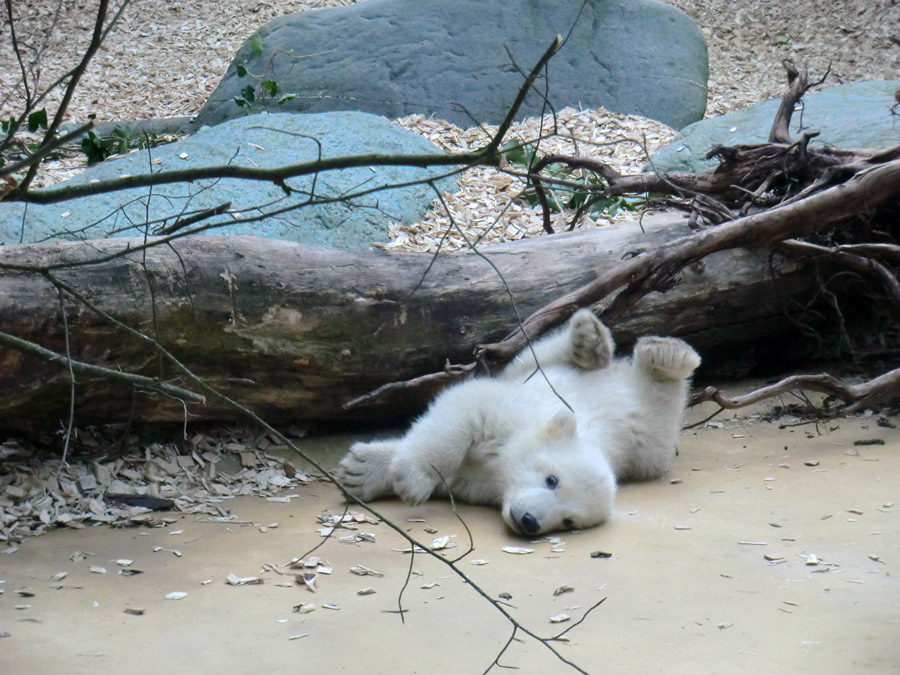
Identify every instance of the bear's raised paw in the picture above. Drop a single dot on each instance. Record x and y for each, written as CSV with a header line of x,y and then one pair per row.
x,y
666,358
591,342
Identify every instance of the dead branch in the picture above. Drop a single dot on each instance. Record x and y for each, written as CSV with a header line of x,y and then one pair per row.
x,y
856,397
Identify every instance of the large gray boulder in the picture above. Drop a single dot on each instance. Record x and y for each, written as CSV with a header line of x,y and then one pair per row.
x,y
460,60
258,140
849,116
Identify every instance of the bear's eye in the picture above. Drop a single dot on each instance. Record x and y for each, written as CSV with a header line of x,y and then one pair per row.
x,y
568,523
552,481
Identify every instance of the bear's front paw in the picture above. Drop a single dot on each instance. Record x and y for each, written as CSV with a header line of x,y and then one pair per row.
x,y
591,342
365,470
412,483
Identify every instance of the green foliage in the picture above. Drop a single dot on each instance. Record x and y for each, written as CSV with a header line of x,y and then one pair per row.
x,y
590,198
37,120
251,100
98,148
247,98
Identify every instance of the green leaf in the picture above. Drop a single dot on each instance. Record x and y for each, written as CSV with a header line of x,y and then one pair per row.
x,y
249,93
96,148
37,119
270,87
286,97
256,46
6,125
516,153
240,70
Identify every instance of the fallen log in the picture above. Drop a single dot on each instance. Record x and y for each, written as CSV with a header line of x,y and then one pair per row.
x,y
294,332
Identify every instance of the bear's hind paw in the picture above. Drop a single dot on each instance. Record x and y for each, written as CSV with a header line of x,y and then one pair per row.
x,y
666,358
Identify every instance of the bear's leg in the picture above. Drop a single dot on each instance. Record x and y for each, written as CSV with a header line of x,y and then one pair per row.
x,y
365,470
662,368
584,342
461,423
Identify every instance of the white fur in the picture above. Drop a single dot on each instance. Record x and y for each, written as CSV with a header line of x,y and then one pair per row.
x,y
498,441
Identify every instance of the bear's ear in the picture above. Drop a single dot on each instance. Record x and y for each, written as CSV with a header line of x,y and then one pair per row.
x,y
561,426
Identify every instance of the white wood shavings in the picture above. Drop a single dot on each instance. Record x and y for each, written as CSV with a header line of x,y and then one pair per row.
x,y
429,585
307,579
234,580
124,562
362,571
59,576
368,590
176,595
517,550
298,636
752,543
560,618
682,527
96,569
563,589
330,605
479,562
304,608
443,543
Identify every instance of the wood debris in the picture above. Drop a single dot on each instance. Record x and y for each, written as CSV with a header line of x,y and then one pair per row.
x,y
363,571
123,489
517,550
234,580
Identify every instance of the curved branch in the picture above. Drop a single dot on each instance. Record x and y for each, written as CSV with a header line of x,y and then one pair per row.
x,y
854,396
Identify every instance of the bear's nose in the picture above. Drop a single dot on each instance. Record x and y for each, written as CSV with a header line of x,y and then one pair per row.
x,y
529,524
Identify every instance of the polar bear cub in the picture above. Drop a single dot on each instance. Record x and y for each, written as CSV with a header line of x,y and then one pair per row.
x,y
547,445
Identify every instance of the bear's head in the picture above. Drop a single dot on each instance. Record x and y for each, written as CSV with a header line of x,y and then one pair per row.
x,y
555,481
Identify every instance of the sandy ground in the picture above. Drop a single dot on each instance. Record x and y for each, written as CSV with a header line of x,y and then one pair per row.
x,y
688,588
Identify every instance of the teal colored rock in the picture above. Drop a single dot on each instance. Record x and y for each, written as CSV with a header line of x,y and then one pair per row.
x,y
461,60
850,116
258,140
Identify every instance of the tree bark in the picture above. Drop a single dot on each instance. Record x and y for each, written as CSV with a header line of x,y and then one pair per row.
x,y
294,332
